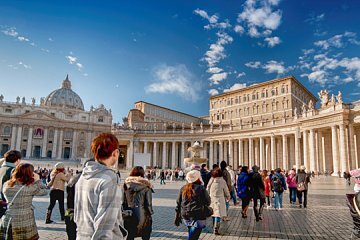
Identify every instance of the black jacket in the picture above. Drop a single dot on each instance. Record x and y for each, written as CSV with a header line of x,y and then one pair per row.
x,y
256,184
138,198
192,209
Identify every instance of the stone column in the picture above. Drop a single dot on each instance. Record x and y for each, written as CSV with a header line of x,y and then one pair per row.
x,y
305,148
130,155
182,155
251,152
262,157
284,152
297,150
343,150
335,147
221,155
273,152
154,160
231,153
267,155
352,146
216,160
256,152
18,138
88,144
211,154
74,144
241,152
163,165
54,148
145,146
323,155
13,137
44,145
317,151
61,140
173,165
29,143
312,150
246,153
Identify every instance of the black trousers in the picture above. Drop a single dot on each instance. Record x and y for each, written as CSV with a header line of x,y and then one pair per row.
x,y
56,194
300,195
70,227
259,211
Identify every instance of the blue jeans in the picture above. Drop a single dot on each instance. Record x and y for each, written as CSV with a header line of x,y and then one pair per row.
x,y
292,194
233,195
194,233
278,200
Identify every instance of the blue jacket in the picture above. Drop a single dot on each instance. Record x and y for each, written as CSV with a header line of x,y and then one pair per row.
x,y
282,179
243,185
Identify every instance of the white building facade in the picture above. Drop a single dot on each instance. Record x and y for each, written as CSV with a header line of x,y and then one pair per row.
x,y
272,124
57,128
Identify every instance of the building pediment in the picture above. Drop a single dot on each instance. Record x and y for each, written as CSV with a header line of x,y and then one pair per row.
x,y
37,115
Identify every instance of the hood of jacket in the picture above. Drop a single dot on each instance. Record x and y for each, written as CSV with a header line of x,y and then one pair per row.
x,y
93,168
137,184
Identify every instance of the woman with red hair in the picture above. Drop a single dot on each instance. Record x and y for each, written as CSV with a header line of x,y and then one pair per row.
x,y
19,220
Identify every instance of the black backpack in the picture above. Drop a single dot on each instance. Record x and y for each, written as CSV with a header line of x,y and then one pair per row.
x,y
277,184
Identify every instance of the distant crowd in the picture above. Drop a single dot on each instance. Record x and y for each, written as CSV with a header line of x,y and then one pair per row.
x,y
101,206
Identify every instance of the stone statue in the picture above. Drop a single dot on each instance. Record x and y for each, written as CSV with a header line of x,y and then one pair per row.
x,y
42,101
17,99
303,108
339,98
23,100
192,126
324,98
333,102
165,126
91,108
220,125
154,126
33,100
1,98
295,112
201,126
211,125
145,126
174,126
311,105
183,126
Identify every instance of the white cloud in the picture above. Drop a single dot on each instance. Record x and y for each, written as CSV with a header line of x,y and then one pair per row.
x,y
213,92
274,67
50,39
315,19
272,41
256,64
338,41
239,29
213,20
73,60
10,32
218,77
240,75
260,17
23,39
214,70
175,79
236,86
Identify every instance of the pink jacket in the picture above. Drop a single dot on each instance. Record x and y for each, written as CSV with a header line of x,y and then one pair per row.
x,y
291,180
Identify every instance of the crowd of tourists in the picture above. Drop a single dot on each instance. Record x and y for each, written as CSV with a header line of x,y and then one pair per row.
x,y
101,206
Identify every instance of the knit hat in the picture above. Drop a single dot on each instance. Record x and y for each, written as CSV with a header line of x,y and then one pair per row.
x,y
193,176
59,165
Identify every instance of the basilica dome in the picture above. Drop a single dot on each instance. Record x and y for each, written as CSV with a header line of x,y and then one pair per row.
x,y
64,97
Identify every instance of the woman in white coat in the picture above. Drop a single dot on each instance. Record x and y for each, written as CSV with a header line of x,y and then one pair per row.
x,y
219,193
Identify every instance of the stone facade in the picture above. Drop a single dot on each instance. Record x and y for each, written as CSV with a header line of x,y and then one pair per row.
x,y
57,128
272,124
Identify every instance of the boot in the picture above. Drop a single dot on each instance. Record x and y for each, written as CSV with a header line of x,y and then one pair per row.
x,y
216,228
243,213
48,216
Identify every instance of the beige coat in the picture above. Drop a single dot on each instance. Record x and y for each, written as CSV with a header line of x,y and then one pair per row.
x,y
59,181
218,191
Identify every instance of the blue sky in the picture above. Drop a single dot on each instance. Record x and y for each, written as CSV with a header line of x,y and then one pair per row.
x,y
175,53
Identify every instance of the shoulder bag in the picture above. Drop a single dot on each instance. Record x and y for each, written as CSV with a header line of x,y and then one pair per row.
x,y
207,210
301,187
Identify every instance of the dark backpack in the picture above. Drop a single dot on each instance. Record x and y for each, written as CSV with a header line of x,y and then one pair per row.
x,y
277,184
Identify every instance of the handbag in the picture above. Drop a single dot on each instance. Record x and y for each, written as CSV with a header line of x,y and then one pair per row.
x,y
7,228
301,187
207,211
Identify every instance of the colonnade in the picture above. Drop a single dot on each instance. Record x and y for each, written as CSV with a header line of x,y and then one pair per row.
x,y
332,149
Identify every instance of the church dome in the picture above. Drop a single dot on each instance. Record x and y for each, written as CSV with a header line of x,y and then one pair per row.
x,y
64,97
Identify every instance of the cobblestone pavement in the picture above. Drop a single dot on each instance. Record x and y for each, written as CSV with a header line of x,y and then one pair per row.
x,y
327,216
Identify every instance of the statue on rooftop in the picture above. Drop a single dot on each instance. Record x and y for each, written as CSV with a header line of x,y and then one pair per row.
x,y
339,98
1,98
324,98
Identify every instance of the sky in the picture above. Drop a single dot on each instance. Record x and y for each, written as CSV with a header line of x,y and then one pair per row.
x,y
175,54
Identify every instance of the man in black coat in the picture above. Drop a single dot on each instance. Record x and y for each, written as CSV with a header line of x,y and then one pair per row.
x,y
257,191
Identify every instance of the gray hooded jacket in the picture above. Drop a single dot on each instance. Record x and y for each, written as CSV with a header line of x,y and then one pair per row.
x,y
98,200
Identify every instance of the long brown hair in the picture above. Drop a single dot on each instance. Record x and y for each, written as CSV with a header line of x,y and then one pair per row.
x,y
23,174
188,191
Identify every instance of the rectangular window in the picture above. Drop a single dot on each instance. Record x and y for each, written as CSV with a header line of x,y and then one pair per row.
x,y
8,110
